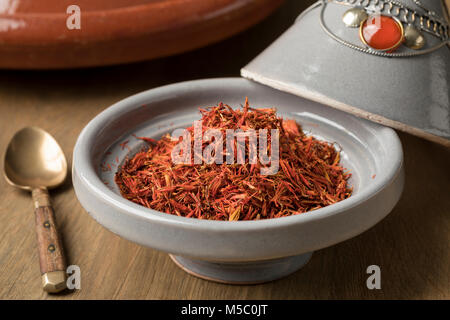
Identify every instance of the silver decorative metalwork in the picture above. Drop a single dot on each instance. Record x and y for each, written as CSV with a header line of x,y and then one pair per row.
x,y
354,17
414,39
428,22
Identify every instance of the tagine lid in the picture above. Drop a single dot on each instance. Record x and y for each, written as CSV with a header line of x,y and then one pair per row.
x,y
382,60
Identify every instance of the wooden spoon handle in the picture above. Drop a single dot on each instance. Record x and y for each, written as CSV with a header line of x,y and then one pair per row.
x,y
51,253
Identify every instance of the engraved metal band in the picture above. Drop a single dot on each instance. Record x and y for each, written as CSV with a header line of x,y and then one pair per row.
x,y
427,22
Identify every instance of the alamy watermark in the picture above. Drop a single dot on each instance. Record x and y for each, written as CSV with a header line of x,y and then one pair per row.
x,y
73,21
374,280
235,147
74,277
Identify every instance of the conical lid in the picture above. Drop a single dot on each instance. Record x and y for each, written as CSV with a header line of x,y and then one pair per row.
x,y
322,59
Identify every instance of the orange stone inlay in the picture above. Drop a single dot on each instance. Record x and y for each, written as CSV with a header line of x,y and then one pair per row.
x,y
382,33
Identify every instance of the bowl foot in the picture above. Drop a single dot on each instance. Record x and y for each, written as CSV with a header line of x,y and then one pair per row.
x,y
242,272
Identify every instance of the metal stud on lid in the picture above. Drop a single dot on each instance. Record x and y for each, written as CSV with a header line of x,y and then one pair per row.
x,y
414,39
386,67
354,17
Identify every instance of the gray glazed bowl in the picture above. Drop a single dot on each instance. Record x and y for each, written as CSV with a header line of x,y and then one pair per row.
x,y
241,251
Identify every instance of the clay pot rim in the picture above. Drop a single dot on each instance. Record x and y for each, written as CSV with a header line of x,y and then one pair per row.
x,y
113,24
91,13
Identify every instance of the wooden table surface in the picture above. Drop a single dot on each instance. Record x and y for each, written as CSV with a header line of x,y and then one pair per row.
x,y
411,246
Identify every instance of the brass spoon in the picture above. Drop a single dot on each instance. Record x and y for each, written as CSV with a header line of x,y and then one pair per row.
x,y
34,161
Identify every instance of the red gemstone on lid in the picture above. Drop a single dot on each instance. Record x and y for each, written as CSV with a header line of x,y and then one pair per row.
x,y
382,33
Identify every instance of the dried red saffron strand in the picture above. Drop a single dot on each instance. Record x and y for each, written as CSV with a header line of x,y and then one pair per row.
x,y
309,176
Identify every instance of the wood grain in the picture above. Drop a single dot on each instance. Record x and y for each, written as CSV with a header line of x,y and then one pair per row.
x,y
51,253
411,245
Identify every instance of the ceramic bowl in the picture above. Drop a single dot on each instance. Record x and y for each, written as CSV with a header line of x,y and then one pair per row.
x,y
241,251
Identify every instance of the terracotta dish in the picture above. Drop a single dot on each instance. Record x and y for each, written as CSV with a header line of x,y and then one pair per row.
x,y
34,34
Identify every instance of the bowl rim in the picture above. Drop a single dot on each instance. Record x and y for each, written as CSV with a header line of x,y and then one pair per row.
x,y
83,168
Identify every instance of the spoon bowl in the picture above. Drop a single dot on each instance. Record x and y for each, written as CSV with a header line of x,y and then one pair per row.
x,y
34,159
